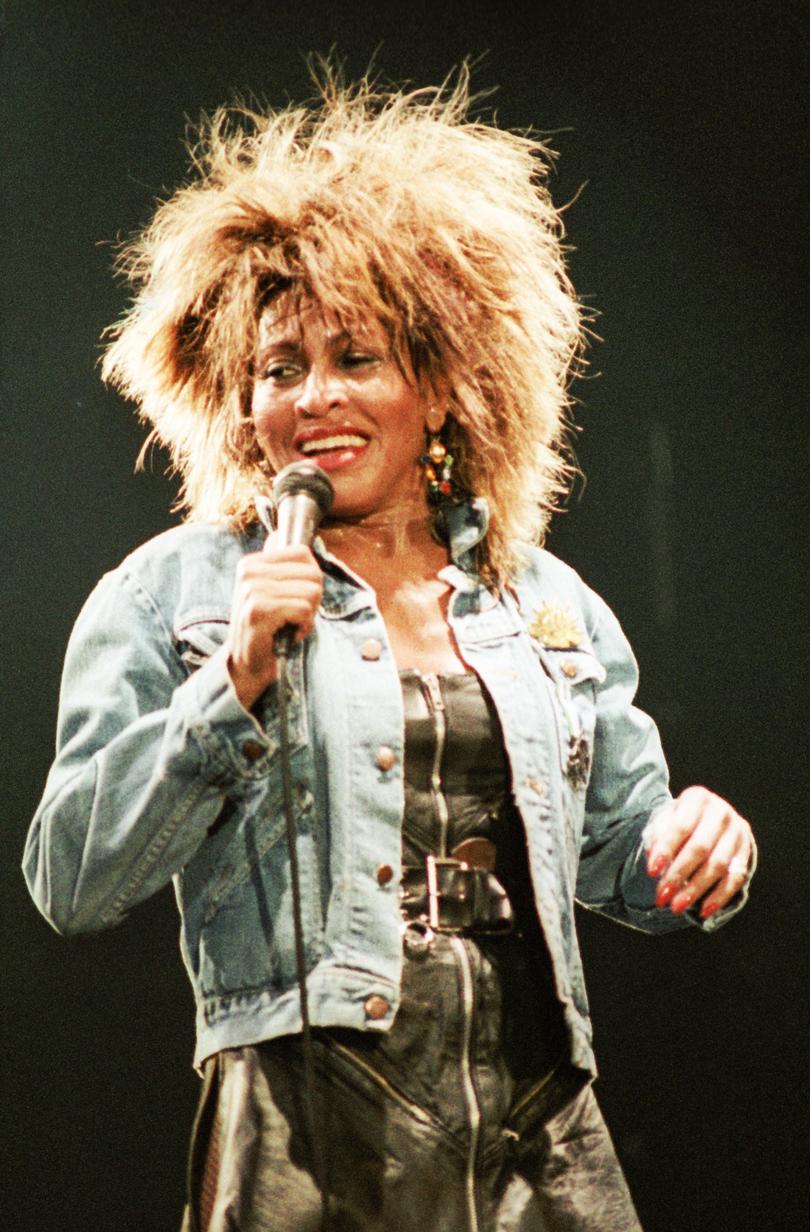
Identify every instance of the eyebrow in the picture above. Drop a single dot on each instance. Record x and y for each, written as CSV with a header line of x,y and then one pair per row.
x,y
291,340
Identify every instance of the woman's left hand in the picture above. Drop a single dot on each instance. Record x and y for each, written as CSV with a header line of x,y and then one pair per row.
x,y
700,848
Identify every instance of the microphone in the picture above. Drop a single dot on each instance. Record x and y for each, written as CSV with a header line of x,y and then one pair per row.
x,y
303,495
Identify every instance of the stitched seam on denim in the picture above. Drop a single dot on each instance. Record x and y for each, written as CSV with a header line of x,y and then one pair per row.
x,y
229,884
139,591
151,855
82,861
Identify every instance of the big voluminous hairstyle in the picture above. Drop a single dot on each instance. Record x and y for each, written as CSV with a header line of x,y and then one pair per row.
x,y
395,206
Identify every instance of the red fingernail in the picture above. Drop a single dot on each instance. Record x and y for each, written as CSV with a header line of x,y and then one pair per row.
x,y
665,893
708,909
681,901
657,866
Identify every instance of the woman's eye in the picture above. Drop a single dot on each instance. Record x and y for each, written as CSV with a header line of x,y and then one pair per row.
x,y
357,359
281,372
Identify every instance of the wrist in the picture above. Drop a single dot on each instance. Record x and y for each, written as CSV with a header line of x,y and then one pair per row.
x,y
248,685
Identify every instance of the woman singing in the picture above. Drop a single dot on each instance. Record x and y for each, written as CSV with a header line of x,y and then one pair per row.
x,y
375,286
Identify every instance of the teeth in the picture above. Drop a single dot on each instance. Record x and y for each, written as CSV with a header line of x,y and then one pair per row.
x,y
346,441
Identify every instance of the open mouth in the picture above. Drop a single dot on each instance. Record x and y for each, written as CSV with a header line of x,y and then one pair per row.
x,y
332,444
331,449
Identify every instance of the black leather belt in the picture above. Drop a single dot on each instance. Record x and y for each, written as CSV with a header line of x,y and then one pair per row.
x,y
452,895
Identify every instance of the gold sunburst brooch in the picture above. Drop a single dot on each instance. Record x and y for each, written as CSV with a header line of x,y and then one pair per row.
x,y
555,627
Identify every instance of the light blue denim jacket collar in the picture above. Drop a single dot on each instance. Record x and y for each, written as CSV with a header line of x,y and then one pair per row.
x,y
466,525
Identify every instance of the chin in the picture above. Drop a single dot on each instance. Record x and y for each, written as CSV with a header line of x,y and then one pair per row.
x,y
350,501
344,511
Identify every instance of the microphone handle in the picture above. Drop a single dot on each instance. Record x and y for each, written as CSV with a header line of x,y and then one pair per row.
x,y
283,640
297,518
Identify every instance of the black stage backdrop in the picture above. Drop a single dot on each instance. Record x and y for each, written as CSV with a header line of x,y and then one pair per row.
x,y
680,122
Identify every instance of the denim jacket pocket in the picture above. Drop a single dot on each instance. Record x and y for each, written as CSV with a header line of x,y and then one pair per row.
x,y
198,636
574,676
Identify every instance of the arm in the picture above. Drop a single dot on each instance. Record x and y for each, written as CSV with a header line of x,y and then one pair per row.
x,y
147,755
145,758
634,832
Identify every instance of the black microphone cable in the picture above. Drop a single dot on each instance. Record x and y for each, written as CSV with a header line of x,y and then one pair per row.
x,y
310,1080
303,494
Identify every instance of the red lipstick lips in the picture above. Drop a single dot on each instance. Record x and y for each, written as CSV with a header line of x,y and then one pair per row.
x,y
332,446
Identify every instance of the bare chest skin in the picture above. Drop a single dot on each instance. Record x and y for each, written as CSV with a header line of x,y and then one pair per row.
x,y
415,615
411,598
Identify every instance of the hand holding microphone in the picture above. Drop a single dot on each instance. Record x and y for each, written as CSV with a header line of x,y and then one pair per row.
x,y
278,589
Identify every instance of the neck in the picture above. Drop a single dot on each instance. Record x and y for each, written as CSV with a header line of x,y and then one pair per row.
x,y
408,536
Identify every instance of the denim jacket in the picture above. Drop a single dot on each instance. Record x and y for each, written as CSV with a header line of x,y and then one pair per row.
x,y
162,775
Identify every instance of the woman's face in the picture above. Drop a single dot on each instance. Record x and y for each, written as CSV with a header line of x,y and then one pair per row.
x,y
342,401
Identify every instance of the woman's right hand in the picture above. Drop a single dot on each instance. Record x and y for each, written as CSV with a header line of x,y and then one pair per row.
x,y
274,587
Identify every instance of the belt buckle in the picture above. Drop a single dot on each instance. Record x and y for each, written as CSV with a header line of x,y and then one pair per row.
x,y
432,864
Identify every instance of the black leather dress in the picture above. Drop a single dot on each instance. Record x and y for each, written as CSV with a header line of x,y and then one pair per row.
x,y
466,1116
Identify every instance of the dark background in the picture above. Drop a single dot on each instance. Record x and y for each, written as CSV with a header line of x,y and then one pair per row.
x,y
684,123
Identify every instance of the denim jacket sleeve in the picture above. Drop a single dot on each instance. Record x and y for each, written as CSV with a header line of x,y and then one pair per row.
x,y
629,784
146,754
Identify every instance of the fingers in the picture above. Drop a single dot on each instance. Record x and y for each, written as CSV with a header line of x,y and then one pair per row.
x,y
701,848
698,821
275,587
273,547
729,884
266,609
267,582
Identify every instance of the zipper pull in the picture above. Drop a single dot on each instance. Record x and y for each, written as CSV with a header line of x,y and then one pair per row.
x,y
434,692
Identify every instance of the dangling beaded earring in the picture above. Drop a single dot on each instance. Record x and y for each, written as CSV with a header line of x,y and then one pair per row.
x,y
438,464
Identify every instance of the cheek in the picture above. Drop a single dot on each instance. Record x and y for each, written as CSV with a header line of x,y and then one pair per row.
x,y
272,424
413,431
404,423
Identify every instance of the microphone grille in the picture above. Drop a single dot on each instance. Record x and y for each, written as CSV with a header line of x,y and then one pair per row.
x,y
300,477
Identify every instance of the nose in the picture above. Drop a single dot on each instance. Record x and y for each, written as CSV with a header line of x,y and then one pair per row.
x,y
321,392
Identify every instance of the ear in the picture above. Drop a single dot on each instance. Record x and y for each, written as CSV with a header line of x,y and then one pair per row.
x,y
438,397
435,417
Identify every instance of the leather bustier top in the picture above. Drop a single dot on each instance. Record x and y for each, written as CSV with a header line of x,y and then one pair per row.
x,y
452,746
458,789
457,782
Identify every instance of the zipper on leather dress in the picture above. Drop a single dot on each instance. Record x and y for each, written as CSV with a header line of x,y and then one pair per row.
x,y
394,1094
467,1085
536,1087
437,709
435,701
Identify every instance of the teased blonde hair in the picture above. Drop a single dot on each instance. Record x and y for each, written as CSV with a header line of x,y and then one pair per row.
x,y
394,206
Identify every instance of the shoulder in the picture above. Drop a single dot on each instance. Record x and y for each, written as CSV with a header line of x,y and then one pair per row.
x,y
188,570
545,579
192,545
550,593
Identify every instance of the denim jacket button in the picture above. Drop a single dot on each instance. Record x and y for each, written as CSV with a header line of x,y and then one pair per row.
x,y
252,750
385,757
384,874
371,650
569,669
376,1007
